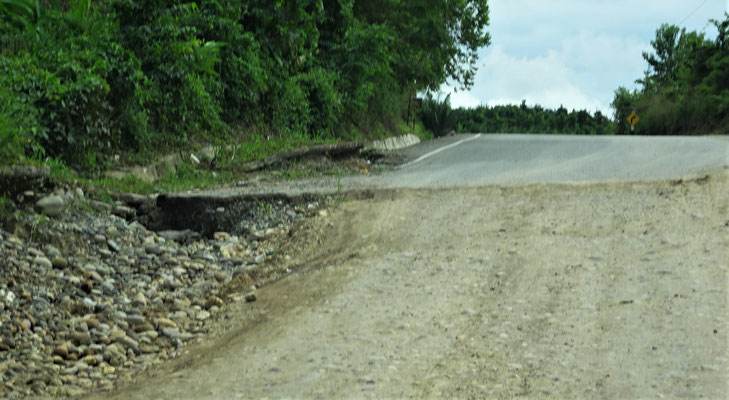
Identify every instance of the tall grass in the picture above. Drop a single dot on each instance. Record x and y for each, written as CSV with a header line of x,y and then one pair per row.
x,y
436,115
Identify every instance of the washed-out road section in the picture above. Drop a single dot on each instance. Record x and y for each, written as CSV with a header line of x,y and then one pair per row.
x,y
451,288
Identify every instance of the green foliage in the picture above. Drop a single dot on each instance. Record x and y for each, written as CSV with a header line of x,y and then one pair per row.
x,y
526,119
86,88
23,14
686,87
17,127
437,115
178,64
434,40
147,76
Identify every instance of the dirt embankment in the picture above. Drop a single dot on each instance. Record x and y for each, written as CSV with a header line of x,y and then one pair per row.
x,y
569,291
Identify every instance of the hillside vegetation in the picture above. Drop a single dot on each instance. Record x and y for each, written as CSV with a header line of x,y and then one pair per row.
x,y
685,89
81,80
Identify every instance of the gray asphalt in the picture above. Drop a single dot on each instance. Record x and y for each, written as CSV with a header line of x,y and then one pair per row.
x,y
513,160
509,160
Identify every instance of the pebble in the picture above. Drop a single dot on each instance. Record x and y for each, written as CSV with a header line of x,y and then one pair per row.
x,y
171,332
139,300
51,206
166,323
61,351
43,262
59,262
100,298
81,338
113,245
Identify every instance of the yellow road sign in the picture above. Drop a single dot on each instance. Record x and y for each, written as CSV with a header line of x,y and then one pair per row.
x,y
633,119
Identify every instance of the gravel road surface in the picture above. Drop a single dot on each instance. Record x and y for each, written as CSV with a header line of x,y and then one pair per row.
x,y
599,290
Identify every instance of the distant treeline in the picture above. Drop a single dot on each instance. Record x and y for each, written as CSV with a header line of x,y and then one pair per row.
x,y
530,119
685,90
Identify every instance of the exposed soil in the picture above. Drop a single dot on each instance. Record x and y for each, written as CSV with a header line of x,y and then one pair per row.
x,y
564,291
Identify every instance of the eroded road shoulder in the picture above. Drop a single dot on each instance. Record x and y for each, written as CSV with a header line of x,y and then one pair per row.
x,y
571,291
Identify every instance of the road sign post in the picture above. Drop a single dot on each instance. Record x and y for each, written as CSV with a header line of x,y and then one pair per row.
x,y
632,120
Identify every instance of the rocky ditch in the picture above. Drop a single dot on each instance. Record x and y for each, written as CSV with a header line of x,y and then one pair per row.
x,y
90,294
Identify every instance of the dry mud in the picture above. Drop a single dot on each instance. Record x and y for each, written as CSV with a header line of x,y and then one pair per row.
x,y
544,291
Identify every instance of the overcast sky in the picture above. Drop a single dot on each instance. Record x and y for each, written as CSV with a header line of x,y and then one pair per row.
x,y
574,52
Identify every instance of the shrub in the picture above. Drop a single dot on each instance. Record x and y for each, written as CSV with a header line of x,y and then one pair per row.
x,y
89,92
436,115
174,58
17,127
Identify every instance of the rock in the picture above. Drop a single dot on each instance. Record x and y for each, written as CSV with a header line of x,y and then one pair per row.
x,y
135,319
51,251
221,236
59,262
171,332
51,206
4,346
81,338
91,360
113,245
43,262
148,348
124,211
153,248
180,304
61,351
143,327
178,236
100,239
202,315
71,370
139,300
95,276
213,301
165,323
250,297
89,304
92,323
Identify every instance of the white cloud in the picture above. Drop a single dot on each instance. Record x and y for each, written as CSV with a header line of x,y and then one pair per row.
x,y
572,53
463,99
545,80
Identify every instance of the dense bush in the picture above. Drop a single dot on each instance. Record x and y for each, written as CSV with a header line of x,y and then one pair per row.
x,y
145,76
437,115
18,126
87,90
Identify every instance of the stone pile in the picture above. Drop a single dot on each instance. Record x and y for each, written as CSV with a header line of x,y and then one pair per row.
x,y
88,299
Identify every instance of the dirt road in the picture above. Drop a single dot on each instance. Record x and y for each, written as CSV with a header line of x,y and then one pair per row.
x,y
562,291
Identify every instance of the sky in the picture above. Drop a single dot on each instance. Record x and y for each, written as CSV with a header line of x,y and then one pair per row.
x,y
574,53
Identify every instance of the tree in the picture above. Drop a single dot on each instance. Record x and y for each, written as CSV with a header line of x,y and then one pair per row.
x,y
438,40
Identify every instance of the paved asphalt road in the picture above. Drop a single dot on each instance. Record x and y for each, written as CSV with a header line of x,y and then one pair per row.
x,y
477,160
514,160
